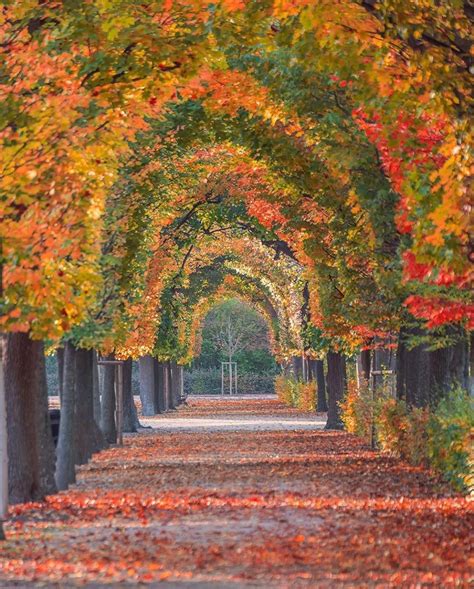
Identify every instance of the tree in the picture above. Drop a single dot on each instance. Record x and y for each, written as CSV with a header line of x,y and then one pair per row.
x,y
233,327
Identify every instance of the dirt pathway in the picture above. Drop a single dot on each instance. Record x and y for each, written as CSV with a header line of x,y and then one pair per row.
x,y
242,493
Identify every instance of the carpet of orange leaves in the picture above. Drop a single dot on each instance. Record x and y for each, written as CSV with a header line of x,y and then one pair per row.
x,y
242,509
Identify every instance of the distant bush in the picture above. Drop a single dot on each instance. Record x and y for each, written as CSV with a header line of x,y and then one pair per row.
x,y
296,393
207,381
357,410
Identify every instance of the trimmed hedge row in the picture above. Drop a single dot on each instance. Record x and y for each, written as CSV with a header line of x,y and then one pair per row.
x,y
207,381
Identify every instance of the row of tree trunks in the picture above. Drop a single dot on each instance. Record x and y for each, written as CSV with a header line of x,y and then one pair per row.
x,y
30,442
160,385
108,404
79,433
424,375
96,390
3,442
336,383
297,366
147,385
321,405
88,436
162,393
315,372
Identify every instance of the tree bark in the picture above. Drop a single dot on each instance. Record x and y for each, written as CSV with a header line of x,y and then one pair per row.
x,y
88,436
365,363
130,416
424,376
471,364
163,382
382,359
65,473
336,382
29,438
170,388
174,372
108,426
147,385
3,440
60,362
96,389
160,401
182,395
297,364
322,405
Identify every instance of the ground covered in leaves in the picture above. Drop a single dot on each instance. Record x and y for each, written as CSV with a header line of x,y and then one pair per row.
x,y
266,508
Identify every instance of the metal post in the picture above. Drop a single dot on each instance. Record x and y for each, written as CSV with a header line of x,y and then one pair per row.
x,y
222,378
236,391
230,378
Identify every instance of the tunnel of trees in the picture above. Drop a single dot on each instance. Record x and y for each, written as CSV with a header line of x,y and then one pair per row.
x,y
310,158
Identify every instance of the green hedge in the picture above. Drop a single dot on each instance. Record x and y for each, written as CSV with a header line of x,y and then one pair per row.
x,y
207,381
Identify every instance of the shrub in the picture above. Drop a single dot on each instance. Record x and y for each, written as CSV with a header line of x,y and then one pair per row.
x,y
296,393
442,439
450,440
357,410
283,389
402,431
306,392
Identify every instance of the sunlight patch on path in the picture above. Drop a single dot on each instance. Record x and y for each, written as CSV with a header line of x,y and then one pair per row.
x,y
196,424
223,421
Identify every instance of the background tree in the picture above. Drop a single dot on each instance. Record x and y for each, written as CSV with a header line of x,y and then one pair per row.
x,y
232,328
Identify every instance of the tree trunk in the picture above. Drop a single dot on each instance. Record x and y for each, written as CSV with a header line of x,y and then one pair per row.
x,y
147,385
130,417
471,364
160,401
96,389
168,378
424,376
108,426
65,451
297,364
3,442
88,437
60,362
30,441
382,360
365,364
449,366
336,382
182,396
174,371
163,382
45,442
322,405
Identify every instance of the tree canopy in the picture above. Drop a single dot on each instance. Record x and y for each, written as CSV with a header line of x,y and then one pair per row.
x,y
312,158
